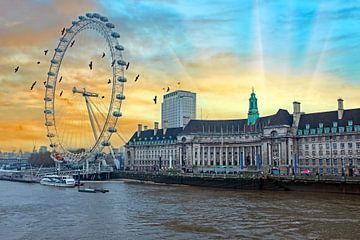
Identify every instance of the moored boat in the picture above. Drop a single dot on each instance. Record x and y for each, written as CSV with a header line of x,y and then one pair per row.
x,y
58,181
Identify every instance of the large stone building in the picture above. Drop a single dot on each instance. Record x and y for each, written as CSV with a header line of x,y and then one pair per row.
x,y
178,108
325,142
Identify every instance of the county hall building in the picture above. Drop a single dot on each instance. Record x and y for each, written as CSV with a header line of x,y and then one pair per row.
x,y
327,143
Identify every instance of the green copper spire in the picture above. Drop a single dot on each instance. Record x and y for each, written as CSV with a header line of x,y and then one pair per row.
x,y
253,113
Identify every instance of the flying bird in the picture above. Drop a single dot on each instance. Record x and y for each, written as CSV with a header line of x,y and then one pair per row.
x,y
33,85
38,62
72,43
103,55
109,81
137,77
168,89
155,98
103,97
46,51
16,69
63,31
61,92
44,83
178,83
90,65
60,79
127,65
113,62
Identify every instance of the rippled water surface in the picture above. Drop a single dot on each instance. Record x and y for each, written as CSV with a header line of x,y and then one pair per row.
x,y
144,211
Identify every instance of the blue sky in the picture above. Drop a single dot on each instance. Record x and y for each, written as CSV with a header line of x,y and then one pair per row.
x,y
304,50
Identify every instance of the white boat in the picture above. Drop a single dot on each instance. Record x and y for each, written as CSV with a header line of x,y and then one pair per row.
x,y
58,181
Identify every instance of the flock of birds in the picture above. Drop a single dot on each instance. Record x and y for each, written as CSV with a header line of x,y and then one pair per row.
x,y
90,67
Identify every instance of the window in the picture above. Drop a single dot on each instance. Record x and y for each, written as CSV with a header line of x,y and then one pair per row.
x,y
313,146
342,145
321,125
341,129
307,162
327,130
328,162
335,162
320,162
328,171
299,132
307,126
334,145
350,123
348,128
335,124
350,145
312,131
336,171
333,129
358,145
328,145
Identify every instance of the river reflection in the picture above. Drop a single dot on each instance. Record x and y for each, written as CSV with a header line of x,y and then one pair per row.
x,y
144,211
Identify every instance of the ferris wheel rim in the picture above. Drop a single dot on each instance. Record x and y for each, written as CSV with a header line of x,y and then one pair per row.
x,y
92,21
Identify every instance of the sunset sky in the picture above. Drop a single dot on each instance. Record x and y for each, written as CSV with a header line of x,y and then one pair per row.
x,y
307,51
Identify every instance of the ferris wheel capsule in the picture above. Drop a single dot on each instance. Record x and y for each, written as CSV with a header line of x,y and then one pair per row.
x,y
103,19
122,79
115,35
89,15
112,129
96,15
120,97
121,62
117,114
110,25
119,48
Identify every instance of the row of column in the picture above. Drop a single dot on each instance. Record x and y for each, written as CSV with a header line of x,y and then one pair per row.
x,y
250,155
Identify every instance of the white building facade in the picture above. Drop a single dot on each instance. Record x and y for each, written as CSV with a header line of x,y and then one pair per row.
x,y
325,143
178,108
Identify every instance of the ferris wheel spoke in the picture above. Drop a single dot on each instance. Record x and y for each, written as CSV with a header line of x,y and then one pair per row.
x,y
91,118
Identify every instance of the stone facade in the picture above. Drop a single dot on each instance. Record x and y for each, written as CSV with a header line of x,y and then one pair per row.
x,y
324,143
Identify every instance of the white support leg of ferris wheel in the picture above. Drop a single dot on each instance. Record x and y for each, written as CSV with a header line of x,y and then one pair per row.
x,y
90,117
116,161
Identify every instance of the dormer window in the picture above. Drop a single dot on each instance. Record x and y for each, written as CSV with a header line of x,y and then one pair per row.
x,y
350,122
312,131
321,125
335,124
307,126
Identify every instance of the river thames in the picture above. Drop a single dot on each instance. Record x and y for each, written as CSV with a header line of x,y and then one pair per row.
x,y
146,211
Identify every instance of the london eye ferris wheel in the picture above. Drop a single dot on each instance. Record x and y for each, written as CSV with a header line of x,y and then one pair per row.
x,y
84,89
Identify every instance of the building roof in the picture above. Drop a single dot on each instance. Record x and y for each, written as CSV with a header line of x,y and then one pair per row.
x,y
282,117
327,118
170,133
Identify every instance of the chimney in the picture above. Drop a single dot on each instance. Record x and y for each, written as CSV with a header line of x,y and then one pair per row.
x,y
340,108
145,127
139,129
156,127
296,113
296,106
165,127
